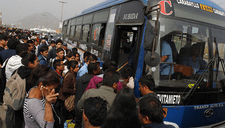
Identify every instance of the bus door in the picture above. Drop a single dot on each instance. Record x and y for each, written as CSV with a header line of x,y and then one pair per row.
x,y
125,45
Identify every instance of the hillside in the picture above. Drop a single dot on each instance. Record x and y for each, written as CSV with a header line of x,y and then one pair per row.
x,y
45,19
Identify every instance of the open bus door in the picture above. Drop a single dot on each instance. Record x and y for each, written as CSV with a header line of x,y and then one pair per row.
x,y
125,44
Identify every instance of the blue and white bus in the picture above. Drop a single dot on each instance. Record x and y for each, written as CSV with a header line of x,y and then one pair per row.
x,y
133,31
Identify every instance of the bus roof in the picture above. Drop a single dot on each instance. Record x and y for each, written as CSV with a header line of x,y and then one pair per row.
x,y
109,3
102,5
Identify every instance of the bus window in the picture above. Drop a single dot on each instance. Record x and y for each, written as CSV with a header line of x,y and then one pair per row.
x,y
102,35
65,25
86,32
72,30
68,28
98,34
78,31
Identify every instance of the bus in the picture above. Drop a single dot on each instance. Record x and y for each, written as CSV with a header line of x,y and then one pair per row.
x,y
139,33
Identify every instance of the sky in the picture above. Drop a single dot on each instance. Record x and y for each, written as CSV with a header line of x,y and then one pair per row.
x,y
14,10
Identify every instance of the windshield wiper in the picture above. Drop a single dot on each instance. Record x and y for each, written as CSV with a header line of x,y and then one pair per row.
x,y
192,90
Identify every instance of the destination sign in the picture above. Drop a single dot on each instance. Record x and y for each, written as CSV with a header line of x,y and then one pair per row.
x,y
200,6
169,99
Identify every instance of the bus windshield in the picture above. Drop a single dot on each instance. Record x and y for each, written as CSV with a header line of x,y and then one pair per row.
x,y
186,48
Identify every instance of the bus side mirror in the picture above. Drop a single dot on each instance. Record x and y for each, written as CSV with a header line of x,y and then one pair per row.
x,y
150,37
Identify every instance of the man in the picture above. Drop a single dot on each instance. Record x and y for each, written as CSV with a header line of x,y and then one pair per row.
x,y
110,83
52,52
85,55
193,60
66,50
30,46
24,39
84,69
106,91
147,85
12,43
43,43
151,113
166,56
43,58
52,45
3,42
95,112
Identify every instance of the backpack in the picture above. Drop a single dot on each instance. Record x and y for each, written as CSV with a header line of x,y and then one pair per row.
x,y
15,92
2,80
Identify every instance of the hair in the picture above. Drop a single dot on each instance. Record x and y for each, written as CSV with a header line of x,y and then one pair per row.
x,y
52,41
30,42
151,107
25,37
59,41
56,63
44,48
45,75
126,72
108,64
12,43
59,50
194,50
77,54
92,67
95,108
70,54
3,37
28,57
72,64
91,57
123,112
21,48
110,77
148,81
86,54
74,50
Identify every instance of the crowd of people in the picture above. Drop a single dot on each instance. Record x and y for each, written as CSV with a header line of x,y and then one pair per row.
x,y
60,85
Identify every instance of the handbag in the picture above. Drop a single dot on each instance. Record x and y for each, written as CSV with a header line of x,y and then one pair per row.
x,y
69,102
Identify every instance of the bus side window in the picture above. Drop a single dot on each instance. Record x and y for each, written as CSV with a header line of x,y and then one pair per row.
x,y
95,33
102,35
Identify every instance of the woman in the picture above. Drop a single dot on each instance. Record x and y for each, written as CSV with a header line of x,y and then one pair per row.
x,y
70,56
68,86
37,107
123,112
30,61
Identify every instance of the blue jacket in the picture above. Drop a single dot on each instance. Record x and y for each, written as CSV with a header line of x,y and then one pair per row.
x,y
42,60
7,53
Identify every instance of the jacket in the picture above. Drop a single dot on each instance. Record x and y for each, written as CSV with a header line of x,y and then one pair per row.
x,y
68,85
105,92
95,80
42,60
81,85
7,53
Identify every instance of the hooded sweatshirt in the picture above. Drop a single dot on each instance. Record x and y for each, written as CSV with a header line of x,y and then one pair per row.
x,y
24,73
13,63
